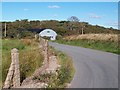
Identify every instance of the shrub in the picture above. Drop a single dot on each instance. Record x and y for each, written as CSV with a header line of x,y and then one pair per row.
x,y
59,37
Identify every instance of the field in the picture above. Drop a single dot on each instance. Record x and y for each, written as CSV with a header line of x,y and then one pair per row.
x,y
104,42
100,37
30,57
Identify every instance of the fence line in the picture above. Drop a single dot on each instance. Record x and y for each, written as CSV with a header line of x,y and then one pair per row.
x,y
44,47
13,76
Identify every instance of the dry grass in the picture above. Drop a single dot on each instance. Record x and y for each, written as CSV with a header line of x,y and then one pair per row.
x,y
102,37
104,42
29,55
26,41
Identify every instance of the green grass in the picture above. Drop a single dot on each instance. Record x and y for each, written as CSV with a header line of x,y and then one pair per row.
x,y
107,46
30,57
67,69
7,45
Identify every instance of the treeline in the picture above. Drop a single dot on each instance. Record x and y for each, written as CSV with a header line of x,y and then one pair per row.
x,y
25,28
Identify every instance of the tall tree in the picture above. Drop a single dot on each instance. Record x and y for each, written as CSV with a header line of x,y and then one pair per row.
x,y
73,21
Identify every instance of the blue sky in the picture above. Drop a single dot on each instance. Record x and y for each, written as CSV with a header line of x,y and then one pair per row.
x,y
60,0
96,13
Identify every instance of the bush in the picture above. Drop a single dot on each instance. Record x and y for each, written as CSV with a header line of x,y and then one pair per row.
x,y
59,37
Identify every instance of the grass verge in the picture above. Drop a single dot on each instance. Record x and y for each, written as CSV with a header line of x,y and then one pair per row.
x,y
63,76
107,46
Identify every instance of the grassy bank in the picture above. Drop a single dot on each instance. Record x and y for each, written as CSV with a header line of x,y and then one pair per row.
x,y
66,72
108,46
30,57
63,76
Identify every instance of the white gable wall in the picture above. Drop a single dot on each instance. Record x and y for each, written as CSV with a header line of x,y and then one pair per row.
x,y
48,33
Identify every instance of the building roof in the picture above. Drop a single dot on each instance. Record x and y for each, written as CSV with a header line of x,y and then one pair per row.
x,y
48,32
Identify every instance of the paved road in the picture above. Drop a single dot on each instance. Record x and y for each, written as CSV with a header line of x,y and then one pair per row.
x,y
94,69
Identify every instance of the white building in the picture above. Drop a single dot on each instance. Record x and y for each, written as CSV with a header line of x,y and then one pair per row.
x,y
48,33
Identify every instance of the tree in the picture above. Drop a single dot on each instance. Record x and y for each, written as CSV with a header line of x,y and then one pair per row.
x,y
73,19
73,23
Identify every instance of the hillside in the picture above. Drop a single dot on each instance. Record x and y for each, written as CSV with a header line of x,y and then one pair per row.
x,y
25,28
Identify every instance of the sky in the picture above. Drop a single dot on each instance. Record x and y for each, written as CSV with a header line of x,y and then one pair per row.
x,y
60,0
96,13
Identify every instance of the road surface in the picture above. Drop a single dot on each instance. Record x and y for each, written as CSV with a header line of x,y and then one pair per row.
x,y
94,69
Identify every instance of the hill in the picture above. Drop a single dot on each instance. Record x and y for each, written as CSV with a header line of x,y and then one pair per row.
x,y
25,28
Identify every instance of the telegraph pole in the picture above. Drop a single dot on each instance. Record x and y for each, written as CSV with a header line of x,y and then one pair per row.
x,y
5,30
83,30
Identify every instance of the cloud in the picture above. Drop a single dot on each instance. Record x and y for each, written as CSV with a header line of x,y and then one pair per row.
x,y
54,6
25,9
92,15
